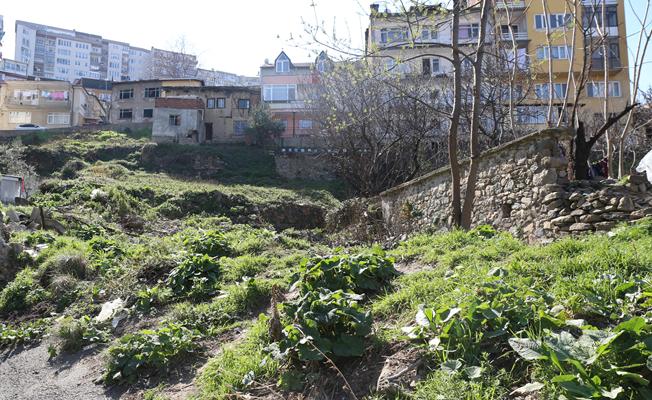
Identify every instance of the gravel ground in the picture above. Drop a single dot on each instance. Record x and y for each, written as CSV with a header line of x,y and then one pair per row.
x,y
28,375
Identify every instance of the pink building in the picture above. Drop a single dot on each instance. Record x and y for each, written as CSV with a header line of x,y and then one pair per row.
x,y
284,88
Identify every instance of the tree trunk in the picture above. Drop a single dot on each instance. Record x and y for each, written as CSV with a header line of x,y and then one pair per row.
x,y
456,202
582,154
469,198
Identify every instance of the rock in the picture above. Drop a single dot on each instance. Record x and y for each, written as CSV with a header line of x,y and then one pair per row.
x,y
402,369
642,188
616,216
626,204
632,187
638,214
554,196
577,213
36,217
580,227
546,177
604,226
13,216
590,218
555,204
575,196
565,220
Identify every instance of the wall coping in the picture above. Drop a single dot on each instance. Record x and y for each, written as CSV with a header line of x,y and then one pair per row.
x,y
558,133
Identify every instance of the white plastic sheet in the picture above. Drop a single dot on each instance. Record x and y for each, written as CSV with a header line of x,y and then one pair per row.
x,y
646,166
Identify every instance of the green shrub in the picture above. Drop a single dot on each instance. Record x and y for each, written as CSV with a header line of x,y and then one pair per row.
x,y
364,273
71,167
25,333
38,237
237,268
149,351
325,323
21,293
196,276
74,334
212,243
149,298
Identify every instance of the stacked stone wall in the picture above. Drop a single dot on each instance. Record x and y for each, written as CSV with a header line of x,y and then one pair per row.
x,y
522,187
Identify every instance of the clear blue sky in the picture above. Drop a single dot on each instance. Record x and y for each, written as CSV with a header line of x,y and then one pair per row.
x,y
234,36
633,8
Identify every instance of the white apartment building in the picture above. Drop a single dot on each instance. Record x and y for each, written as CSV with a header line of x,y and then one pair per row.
x,y
64,54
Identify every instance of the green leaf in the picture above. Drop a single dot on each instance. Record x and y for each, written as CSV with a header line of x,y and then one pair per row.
x,y
529,388
451,366
635,325
649,363
526,348
348,346
613,393
424,316
638,378
473,372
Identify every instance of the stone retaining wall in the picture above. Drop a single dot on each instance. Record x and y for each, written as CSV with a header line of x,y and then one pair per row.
x,y
522,188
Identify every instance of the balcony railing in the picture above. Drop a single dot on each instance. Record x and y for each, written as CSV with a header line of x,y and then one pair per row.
x,y
598,2
517,36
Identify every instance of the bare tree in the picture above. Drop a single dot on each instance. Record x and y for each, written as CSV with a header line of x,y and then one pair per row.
x,y
176,63
643,41
377,135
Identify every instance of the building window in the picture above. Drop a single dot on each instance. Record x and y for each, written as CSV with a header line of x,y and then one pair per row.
x,y
220,102
210,103
20,117
240,127
531,115
596,89
435,67
392,35
428,34
558,52
469,31
126,113
557,21
243,104
152,92
126,94
279,93
282,63
542,90
305,124
148,113
174,120
594,14
58,119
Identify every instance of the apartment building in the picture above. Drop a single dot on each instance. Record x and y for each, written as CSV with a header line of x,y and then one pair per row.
x,y
45,103
2,34
417,43
134,101
587,51
212,77
91,101
285,87
13,67
226,110
65,54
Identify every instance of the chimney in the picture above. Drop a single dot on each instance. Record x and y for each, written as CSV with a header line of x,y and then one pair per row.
x,y
374,8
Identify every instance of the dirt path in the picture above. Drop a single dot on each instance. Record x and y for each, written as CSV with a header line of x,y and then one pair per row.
x,y
28,375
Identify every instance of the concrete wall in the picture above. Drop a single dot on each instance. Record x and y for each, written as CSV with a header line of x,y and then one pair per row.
x,y
522,188
190,129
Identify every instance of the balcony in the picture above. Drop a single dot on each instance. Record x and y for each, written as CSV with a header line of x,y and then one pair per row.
x,y
599,2
518,36
514,4
288,105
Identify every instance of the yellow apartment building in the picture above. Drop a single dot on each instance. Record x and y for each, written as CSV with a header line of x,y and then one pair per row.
x,y
559,53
